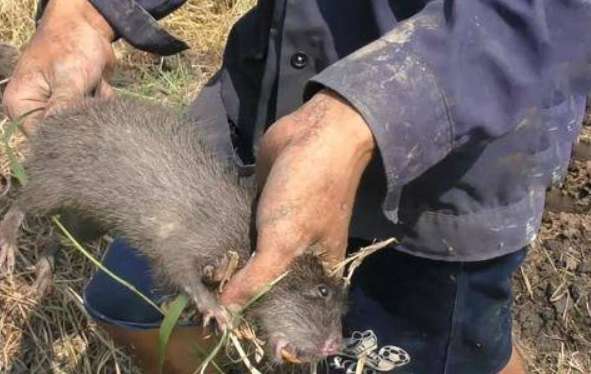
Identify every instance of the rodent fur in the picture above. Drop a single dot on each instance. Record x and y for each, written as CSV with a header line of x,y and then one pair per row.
x,y
144,171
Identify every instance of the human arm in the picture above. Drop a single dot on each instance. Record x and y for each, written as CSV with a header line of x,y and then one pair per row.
x,y
310,164
458,73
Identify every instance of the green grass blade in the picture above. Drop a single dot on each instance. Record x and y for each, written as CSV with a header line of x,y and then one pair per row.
x,y
98,264
198,351
214,352
16,168
171,317
18,124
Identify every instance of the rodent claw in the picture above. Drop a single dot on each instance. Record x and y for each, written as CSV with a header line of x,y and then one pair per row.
x,y
9,228
7,185
7,261
283,353
290,357
219,315
232,260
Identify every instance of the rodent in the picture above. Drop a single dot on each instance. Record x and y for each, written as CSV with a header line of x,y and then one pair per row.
x,y
143,171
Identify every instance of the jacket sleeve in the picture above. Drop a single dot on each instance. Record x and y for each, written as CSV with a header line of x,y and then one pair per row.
x,y
461,72
135,21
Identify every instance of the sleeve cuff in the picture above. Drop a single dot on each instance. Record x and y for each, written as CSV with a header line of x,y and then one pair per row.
x,y
400,100
136,24
138,27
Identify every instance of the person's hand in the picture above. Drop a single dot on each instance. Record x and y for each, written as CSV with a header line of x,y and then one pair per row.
x,y
69,57
309,166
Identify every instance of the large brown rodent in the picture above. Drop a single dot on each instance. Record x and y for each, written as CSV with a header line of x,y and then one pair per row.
x,y
143,171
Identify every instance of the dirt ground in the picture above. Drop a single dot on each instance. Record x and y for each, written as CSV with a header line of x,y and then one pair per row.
x,y
52,334
553,289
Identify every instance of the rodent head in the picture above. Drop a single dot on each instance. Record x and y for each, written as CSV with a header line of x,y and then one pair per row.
x,y
301,315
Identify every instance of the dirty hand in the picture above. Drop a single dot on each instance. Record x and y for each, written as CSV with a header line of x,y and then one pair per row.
x,y
69,57
309,166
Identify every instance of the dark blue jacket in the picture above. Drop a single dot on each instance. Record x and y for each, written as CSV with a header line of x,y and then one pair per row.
x,y
474,105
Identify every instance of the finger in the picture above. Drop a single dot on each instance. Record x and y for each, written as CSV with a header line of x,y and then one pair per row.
x,y
249,281
64,93
270,261
26,95
104,90
71,80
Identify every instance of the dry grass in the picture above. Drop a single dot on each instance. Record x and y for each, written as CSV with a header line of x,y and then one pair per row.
x,y
52,333
204,25
16,21
553,298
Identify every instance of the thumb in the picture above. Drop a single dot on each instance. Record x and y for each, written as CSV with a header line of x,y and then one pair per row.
x,y
251,280
280,240
72,80
239,288
64,93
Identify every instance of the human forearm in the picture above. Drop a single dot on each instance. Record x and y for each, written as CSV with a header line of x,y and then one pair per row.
x,y
461,73
309,167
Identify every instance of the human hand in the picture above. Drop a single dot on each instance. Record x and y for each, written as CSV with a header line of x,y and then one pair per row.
x,y
309,166
69,57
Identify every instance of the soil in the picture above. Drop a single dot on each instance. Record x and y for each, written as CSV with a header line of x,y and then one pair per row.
x,y
552,309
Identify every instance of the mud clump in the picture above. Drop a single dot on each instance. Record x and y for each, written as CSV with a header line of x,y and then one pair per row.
x,y
553,301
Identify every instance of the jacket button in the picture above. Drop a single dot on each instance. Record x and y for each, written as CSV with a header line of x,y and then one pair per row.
x,y
299,60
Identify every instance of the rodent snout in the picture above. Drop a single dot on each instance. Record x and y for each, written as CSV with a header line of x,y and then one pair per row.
x,y
332,346
286,351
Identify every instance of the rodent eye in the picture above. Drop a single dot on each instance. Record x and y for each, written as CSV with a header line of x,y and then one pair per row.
x,y
323,291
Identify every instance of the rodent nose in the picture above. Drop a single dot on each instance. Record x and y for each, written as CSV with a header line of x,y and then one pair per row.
x,y
332,346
